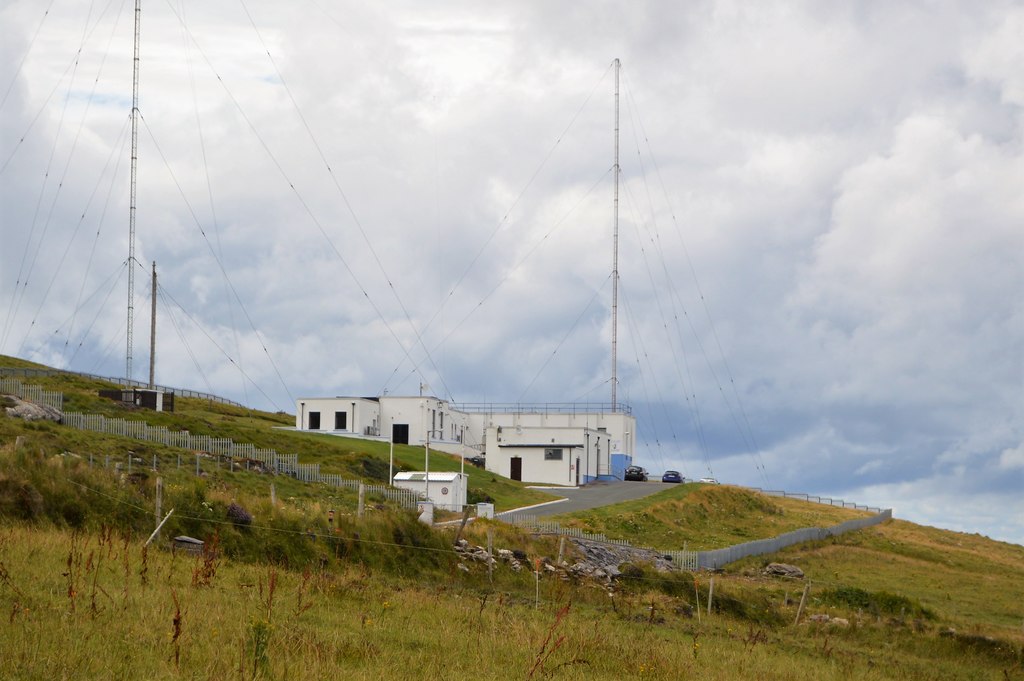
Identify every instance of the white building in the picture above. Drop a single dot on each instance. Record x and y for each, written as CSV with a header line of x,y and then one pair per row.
x,y
563,444
446,490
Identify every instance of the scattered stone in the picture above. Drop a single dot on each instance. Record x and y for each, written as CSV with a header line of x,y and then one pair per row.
x,y
784,570
820,619
839,622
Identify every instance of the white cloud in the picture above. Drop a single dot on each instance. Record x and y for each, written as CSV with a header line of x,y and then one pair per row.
x,y
843,180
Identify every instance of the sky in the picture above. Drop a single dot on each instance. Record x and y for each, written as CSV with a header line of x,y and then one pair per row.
x,y
820,231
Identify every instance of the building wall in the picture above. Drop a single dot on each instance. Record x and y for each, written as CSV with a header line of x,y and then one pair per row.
x,y
582,447
594,437
362,416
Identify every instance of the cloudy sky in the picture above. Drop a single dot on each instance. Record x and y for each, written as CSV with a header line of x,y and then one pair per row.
x,y
821,220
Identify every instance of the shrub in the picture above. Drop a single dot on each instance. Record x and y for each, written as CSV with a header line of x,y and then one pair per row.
x,y
238,515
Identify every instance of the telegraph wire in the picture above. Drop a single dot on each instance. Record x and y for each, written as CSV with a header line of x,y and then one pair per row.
x,y
24,57
346,202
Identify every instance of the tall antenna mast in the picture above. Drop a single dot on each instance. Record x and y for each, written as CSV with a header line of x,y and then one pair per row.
x,y
131,200
615,253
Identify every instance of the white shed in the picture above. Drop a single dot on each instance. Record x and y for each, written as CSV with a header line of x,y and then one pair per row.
x,y
446,490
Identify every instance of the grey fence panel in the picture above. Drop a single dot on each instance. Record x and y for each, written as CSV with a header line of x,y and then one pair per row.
x,y
712,560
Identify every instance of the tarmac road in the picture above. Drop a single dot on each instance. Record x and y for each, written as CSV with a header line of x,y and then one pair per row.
x,y
593,495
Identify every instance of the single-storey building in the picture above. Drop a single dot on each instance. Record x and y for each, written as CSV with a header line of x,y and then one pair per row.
x,y
563,444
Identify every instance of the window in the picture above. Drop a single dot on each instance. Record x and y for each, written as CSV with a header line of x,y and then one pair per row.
x,y
553,454
314,420
341,420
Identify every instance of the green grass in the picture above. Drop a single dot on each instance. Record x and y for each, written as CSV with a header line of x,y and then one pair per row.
x,y
352,458
384,597
97,606
703,517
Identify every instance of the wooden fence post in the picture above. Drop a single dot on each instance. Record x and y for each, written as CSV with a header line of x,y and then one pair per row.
x,y
159,502
490,554
362,500
711,593
803,600
561,549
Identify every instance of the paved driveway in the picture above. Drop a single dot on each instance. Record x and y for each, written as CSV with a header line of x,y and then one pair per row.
x,y
594,495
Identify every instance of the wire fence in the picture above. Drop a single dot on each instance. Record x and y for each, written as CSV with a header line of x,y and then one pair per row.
x,y
32,393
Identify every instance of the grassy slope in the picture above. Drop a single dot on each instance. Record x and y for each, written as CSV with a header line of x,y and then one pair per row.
x,y
703,517
366,620
349,457
88,606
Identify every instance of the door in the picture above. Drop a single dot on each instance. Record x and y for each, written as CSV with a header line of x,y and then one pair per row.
x,y
577,471
517,468
340,420
400,433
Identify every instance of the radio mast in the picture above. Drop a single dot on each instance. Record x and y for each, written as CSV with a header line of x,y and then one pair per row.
x,y
615,253
131,199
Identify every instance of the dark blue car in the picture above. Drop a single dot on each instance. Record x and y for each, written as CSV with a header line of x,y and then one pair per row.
x,y
671,476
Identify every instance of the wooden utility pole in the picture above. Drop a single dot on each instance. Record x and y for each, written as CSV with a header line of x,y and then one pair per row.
x,y
152,333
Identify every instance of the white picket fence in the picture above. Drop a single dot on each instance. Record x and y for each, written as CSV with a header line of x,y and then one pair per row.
x,y
245,453
32,393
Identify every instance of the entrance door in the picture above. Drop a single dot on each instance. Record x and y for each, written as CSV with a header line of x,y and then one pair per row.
x,y
577,471
400,433
517,468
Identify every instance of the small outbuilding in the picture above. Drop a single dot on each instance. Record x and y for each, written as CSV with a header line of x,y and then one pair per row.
x,y
446,490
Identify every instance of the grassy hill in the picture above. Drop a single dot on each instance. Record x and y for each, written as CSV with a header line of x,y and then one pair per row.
x,y
290,596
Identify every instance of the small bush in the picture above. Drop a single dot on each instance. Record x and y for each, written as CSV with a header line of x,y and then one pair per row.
x,y
238,515
877,602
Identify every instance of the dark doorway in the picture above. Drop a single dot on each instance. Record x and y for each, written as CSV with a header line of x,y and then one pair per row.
x,y
341,420
577,471
314,420
400,433
517,468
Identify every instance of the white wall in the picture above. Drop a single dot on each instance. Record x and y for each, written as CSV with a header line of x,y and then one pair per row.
x,y
589,446
362,415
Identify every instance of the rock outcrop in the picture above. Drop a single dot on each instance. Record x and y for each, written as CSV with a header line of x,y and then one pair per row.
x,y
30,411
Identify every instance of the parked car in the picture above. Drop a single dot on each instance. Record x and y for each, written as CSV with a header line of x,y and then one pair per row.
x,y
636,473
671,476
709,481
477,461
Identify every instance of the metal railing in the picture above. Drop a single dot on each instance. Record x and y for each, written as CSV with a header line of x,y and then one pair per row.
x,y
814,498
542,408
